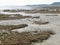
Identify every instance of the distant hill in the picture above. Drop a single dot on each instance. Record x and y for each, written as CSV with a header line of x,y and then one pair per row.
x,y
55,4
38,5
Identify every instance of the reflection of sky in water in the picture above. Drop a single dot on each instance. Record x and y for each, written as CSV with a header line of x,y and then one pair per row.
x,y
54,23
42,16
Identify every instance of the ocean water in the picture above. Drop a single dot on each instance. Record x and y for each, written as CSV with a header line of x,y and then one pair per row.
x,y
15,7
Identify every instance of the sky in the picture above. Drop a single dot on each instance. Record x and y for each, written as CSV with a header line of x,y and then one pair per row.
x,y
25,2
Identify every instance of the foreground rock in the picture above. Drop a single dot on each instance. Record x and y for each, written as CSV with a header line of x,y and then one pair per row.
x,y
11,27
12,16
41,22
24,38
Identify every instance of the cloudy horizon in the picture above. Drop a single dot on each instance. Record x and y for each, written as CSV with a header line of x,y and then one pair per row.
x,y
25,2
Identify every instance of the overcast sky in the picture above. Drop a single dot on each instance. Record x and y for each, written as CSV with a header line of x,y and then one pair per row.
x,y
25,2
